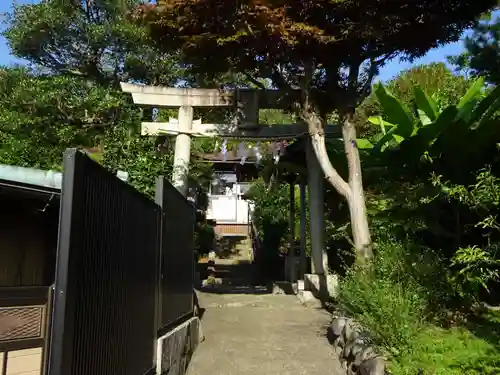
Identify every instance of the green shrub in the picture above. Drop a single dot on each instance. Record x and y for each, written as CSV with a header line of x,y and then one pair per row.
x,y
204,238
473,269
395,301
387,300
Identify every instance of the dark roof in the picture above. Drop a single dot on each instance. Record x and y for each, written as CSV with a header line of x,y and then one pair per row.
x,y
28,191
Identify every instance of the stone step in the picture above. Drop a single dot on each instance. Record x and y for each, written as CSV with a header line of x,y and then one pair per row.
x,y
243,246
234,275
233,281
229,272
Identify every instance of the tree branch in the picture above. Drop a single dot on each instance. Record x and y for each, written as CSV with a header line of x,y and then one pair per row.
x,y
273,73
253,80
316,131
306,84
372,71
352,85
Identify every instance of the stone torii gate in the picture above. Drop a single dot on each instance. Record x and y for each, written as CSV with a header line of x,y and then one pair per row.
x,y
246,103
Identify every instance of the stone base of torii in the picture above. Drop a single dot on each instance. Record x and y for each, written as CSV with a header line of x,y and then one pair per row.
x,y
246,104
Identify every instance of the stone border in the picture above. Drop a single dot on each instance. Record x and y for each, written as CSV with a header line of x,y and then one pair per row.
x,y
357,355
175,349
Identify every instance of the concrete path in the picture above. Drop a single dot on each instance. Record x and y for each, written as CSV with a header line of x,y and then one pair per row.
x,y
262,334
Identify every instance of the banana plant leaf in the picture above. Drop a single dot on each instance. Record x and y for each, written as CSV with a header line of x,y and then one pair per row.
x,y
395,112
424,119
384,142
426,104
487,107
364,144
379,121
430,134
469,101
414,148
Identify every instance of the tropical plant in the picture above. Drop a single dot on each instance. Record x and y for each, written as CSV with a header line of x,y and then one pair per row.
x,y
436,79
418,131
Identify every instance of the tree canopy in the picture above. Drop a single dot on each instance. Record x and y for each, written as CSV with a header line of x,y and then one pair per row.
x,y
79,51
90,39
482,55
278,39
329,50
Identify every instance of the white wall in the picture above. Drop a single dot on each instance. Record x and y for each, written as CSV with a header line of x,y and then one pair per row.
x,y
228,209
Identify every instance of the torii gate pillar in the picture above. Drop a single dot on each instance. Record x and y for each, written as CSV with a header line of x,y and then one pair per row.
x,y
183,150
319,258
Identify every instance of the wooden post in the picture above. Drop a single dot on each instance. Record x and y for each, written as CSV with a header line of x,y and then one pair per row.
x,y
303,224
291,255
316,213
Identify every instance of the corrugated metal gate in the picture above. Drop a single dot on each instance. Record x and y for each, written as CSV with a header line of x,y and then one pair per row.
x,y
105,308
177,255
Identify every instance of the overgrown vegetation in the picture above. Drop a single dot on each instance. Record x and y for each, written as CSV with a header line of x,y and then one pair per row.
x,y
432,173
429,144
433,210
69,96
328,50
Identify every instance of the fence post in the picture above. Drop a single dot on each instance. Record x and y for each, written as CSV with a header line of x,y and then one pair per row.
x,y
62,328
159,191
176,271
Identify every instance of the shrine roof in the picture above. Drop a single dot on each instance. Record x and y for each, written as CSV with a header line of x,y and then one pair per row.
x,y
236,155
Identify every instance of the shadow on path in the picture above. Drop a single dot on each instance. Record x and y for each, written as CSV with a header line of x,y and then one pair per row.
x,y
262,334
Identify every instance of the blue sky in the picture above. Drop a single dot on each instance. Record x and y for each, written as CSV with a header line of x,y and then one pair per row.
x,y
387,72
5,7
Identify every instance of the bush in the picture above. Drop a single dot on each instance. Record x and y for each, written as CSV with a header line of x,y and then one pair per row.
x,y
204,238
388,300
395,301
473,269
271,220
406,287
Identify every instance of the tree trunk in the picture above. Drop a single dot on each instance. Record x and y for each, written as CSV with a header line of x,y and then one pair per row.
x,y
352,190
356,200
317,133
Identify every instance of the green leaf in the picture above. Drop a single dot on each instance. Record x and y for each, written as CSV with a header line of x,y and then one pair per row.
x,y
485,104
364,144
378,120
398,138
424,119
430,133
426,104
490,112
417,146
473,91
380,146
468,102
395,112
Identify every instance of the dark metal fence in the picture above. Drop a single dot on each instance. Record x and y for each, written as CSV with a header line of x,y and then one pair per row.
x,y
104,319
177,255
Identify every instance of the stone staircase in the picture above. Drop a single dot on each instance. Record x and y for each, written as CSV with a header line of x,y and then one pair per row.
x,y
232,270
233,249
